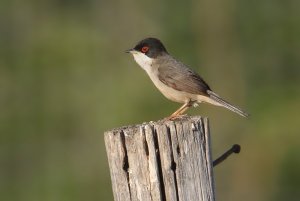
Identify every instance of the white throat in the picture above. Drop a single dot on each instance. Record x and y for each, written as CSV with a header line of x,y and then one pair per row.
x,y
144,61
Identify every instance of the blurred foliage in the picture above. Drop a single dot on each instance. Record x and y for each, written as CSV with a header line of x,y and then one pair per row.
x,y
64,80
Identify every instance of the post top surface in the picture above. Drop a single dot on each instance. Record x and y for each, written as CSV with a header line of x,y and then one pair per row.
x,y
161,122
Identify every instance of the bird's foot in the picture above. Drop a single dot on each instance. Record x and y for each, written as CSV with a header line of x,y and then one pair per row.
x,y
174,117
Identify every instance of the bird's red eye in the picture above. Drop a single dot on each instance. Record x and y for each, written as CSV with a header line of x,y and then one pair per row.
x,y
145,49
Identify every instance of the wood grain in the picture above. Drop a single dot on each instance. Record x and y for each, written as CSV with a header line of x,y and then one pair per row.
x,y
164,160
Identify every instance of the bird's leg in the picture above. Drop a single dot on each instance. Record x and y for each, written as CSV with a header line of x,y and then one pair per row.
x,y
181,110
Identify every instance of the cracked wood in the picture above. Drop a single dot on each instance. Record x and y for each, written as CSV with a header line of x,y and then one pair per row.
x,y
164,160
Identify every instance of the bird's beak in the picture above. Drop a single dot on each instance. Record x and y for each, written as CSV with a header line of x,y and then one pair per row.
x,y
130,50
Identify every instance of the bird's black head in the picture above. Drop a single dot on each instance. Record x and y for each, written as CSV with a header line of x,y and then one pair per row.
x,y
151,47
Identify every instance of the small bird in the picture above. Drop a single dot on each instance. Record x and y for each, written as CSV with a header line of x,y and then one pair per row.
x,y
174,79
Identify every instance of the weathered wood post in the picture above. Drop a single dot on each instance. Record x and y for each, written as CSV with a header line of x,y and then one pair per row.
x,y
164,160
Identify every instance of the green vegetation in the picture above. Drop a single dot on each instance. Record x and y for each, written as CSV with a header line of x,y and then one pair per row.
x,y
65,79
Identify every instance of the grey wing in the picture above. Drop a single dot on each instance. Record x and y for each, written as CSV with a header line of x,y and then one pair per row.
x,y
176,75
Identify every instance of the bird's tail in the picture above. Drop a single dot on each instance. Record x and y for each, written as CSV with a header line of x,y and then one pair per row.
x,y
225,104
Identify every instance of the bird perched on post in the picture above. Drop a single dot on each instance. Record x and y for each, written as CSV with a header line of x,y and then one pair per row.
x,y
174,79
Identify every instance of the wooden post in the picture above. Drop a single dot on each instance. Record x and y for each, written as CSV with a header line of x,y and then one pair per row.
x,y
164,160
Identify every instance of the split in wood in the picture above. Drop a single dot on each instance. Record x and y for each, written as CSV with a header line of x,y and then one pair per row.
x,y
234,149
164,160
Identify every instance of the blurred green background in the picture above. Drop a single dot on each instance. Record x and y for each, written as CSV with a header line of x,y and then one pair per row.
x,y
65,79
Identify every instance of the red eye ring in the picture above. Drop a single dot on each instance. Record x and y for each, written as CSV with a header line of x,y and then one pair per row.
x,y
145,49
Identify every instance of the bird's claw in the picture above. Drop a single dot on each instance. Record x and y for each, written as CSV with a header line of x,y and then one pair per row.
x,y
172,118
